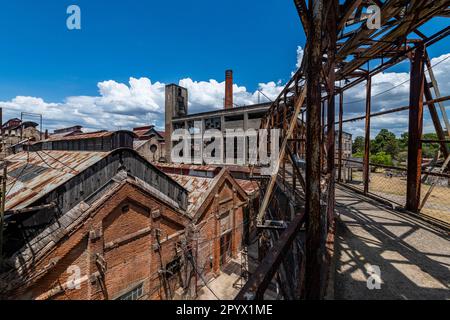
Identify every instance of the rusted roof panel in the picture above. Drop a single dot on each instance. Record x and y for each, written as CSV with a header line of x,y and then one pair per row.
x,y
38,173
81,136
137,144
141,133
187,166
250,187
197,189
90,135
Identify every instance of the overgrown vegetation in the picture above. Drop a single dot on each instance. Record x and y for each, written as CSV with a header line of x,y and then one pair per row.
x,y
387,149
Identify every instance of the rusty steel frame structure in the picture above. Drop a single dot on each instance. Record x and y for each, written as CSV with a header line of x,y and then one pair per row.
x,y
338,52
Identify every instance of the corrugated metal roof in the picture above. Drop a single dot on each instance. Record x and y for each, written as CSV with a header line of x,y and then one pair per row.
x,y
139,143
60,136
197,189
90,135
140,132
45,171
188,166
250,187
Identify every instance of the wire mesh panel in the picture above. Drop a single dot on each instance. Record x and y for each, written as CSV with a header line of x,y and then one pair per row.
x,y
389,183
435,197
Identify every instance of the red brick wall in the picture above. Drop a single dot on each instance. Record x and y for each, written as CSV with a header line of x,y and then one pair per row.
x,y
208,228
137,260
128,264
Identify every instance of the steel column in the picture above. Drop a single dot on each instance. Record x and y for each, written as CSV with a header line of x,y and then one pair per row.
x,y
366,171
316,229
341,116
415,129
331,111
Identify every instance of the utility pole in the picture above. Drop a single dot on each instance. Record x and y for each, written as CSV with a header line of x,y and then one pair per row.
x,y
162,271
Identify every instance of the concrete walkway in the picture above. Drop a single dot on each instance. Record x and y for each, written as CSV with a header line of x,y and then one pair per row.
x,y
412,256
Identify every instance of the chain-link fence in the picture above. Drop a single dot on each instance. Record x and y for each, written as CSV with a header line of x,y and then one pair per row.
x,y
435,196
390,183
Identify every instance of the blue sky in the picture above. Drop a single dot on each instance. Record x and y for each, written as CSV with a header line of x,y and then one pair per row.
x,y
111,74
163,40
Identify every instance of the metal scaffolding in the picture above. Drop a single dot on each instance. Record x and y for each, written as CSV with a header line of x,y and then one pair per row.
x,y
340,48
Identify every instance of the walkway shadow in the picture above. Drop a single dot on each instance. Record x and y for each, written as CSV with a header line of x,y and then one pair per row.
x,y
413,257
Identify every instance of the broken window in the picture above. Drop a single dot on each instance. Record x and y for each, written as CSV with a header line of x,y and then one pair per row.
x,y
134,294
173,267
226,222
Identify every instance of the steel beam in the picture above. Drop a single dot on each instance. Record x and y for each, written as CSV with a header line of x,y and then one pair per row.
x,y
436,121
256,286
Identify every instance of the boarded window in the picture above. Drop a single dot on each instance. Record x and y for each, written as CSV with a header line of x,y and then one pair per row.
x,y
226,223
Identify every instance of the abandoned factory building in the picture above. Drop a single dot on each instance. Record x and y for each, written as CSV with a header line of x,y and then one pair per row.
x,y
150,143
88,217
229,117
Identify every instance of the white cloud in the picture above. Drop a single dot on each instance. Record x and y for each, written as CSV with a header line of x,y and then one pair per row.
x,y
391,90
137,103
300,54
141,101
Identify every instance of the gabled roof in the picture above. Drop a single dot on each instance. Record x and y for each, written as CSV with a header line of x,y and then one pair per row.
x,y
147,132
25,125
32,175
202,190
26,258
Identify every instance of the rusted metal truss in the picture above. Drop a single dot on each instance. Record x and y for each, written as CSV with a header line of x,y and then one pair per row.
x,y
339,47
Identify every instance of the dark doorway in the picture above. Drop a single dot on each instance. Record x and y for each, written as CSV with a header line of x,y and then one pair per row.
x,y
225,249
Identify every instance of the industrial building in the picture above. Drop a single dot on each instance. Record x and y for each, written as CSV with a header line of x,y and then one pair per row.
x,y
95,216
150,143
15,133
227,117
89,205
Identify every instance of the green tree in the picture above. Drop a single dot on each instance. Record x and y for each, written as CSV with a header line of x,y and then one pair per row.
x,y
385,142
403,141
381,158
429,150
358,145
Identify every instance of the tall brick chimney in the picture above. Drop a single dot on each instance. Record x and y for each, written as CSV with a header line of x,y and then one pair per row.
x,y
228,89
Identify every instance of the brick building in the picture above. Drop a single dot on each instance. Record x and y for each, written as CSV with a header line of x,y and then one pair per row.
x,y
106,224
15,134
220,211
150,143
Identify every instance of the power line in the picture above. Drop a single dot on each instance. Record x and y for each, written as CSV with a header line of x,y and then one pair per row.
x,y
59,161
396,86
19,176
